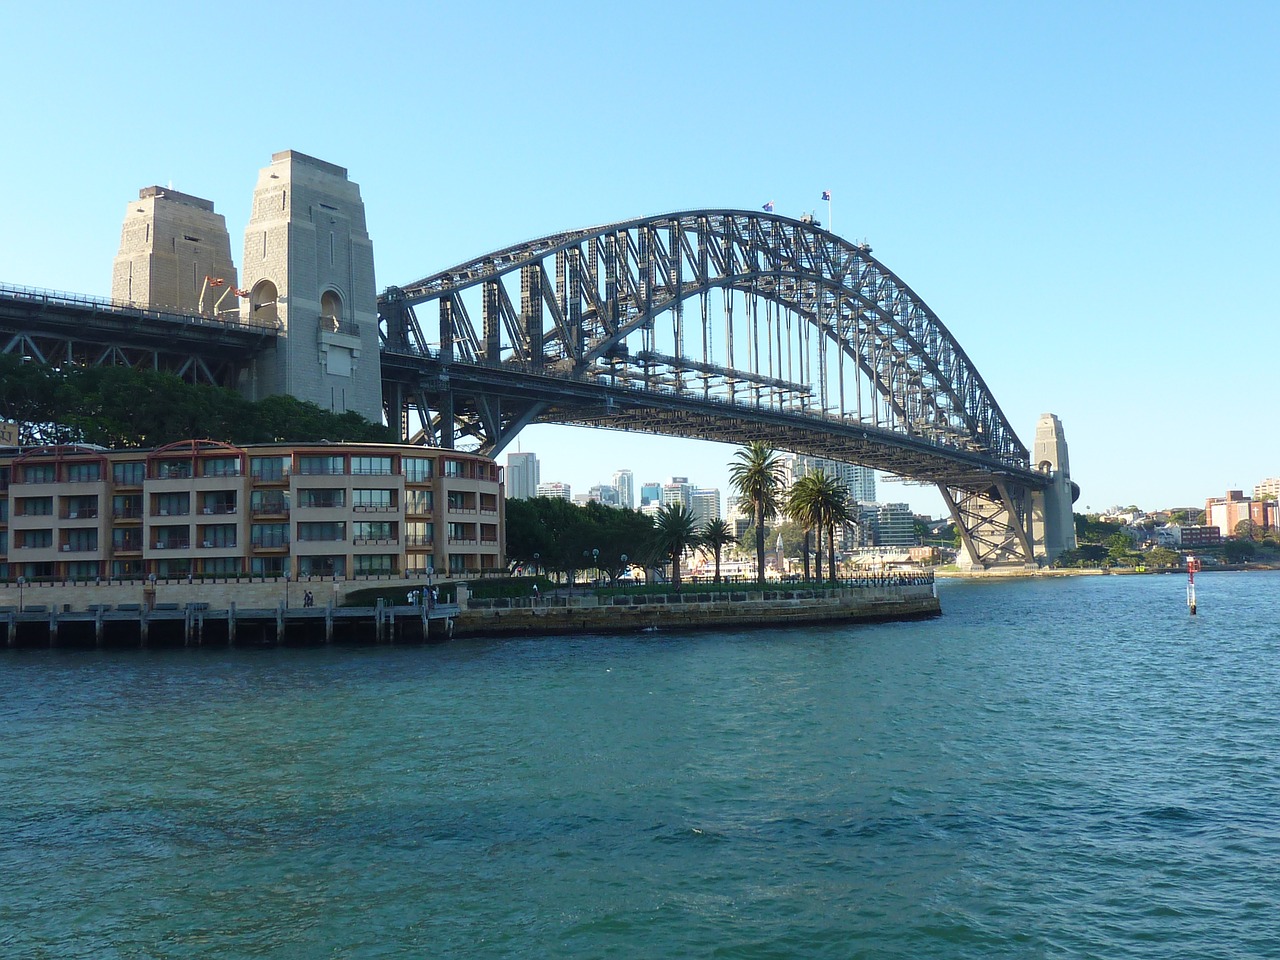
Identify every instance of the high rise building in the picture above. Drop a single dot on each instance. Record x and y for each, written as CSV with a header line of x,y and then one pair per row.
x,y
555,489
625,482
887,525
1268,489
650,493
523,476
678,492
705,504
858,481
604,493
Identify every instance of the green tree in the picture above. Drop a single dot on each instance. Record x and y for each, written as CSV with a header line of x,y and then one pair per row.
x,y
803,506
675,530
1239,551
715,536
757,477
1163,557
835,511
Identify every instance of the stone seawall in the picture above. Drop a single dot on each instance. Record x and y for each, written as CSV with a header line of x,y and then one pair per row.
x,y
560,615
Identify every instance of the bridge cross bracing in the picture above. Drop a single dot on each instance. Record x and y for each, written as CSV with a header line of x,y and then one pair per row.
x,y
714,324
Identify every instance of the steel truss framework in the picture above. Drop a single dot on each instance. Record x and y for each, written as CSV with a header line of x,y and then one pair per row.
x,y
717,324
60,329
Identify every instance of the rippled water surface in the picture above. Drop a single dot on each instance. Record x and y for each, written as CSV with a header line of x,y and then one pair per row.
x,y
1053,769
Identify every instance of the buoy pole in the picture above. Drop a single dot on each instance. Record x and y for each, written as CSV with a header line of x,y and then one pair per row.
x,y
1193,565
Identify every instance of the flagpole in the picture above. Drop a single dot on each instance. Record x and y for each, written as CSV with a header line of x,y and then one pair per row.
x,y
831,224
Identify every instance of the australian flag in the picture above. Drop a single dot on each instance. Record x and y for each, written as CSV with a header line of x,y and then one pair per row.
x,y
768,207
826,194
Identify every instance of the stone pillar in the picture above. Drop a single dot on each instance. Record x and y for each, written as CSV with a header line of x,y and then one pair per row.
x,y
308,265
1052,520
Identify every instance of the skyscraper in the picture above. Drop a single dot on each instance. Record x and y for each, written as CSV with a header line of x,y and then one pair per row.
x,y
705,503
650,493
625,482
523,476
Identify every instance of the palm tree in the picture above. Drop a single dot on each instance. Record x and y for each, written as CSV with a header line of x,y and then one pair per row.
x,y
833,509
715,536
804,506
674,531
757,477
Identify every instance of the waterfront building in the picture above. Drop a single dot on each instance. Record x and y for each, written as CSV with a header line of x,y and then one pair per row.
x,y
208,509
624,481
859,482
650,493
523,476
604,493
1190,536
887,524
555,488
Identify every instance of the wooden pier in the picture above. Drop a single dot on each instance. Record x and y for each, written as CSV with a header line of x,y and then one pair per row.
x,y
195,624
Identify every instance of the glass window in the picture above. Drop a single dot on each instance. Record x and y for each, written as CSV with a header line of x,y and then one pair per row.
x,y
417,469
267,566
219,501
321,466
82,541
38,473
269,534
126,539
222,566
35,539
419,534
218,535
373,499
419,501
84,569
322,566
371,466
35,506
321,497
269,502
220,467
376,563
129,474
84,472
171,538
127,507
313,532
81,508
173,469
269,468
373,530
454,468
172,504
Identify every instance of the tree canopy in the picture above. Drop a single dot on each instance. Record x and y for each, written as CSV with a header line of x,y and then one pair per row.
x,y
756,475
115,406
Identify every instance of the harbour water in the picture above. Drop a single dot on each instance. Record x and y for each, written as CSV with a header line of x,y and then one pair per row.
x,y
1067,768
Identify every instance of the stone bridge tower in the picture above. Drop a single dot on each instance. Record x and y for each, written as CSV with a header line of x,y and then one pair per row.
x,y
1052,521
308,263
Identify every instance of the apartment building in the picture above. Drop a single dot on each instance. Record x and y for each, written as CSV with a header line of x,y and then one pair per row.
x,y
210,509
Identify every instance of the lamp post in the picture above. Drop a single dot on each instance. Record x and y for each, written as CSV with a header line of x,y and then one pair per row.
x,y
287,577
22,582
622,560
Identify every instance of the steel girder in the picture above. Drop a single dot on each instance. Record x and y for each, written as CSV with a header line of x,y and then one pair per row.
x,y
585,307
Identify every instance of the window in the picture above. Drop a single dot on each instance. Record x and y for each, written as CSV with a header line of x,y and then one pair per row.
x,y
373,499
454,468
320,532
315,498
270,502
269,468
377,563
267,566
80,508
35,507
34,539
126,569
462,533
127,507
171,538
130,474
220,467
269,534
83,569
222,566
38,473
173,470
373,530
419,501
218,536
171,504
81,541
84,472
166,569
460,502
321,466
322,566
457,563
218,502
418,534
417,469
126,539
371,466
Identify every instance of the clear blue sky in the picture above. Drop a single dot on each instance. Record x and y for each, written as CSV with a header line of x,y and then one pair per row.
x,y
1085,193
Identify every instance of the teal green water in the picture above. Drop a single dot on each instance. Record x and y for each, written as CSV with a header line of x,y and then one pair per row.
x,y
1052,769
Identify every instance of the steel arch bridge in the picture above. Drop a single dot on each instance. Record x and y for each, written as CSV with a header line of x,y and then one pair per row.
x,y
714,324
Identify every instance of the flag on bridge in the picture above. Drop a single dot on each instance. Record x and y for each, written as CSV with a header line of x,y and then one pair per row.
x,y
826,194
768,207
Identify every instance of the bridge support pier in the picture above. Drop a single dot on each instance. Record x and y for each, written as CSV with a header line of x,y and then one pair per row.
x,y
993,526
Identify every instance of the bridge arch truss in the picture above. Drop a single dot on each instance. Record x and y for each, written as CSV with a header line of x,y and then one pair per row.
x,y
716,324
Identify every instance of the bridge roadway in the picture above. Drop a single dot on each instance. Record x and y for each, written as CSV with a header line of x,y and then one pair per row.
x,y
52,327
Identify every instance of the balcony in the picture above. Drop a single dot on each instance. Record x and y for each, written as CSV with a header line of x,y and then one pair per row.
x,y
172,544
375,508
